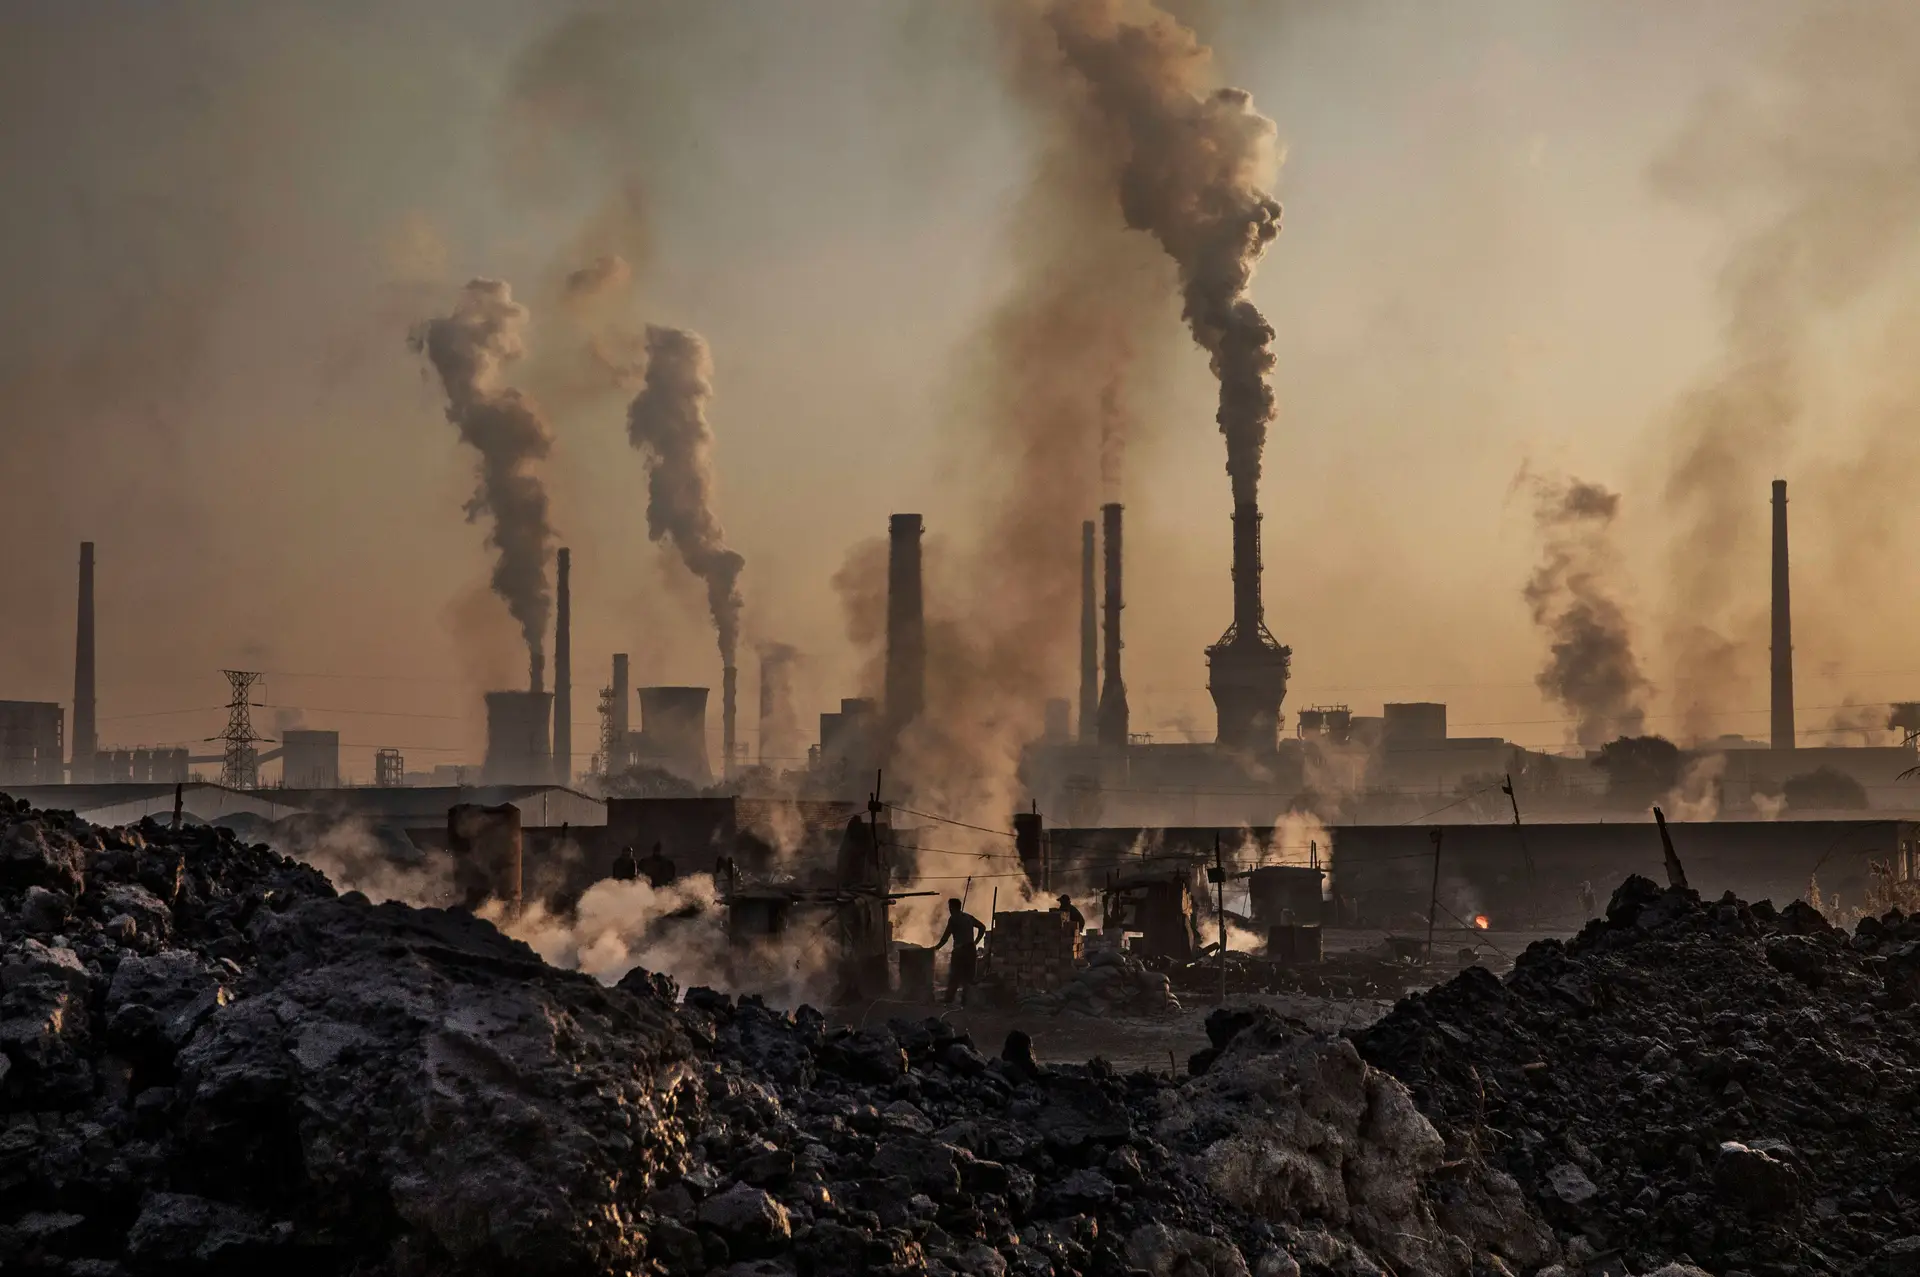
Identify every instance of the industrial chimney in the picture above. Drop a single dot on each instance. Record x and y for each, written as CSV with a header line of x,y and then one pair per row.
x,y
1782,625
1247,670
1113,694
563,676
1089,641
86,737
729,717
621,744
906,626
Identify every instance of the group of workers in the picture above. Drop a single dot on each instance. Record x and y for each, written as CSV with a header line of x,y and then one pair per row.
x,y
965,931
656,868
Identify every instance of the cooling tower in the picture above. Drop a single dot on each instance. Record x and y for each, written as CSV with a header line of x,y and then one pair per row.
x,y
517,747
673,732
310,759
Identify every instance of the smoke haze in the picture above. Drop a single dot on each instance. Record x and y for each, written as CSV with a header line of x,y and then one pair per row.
x,y
225,218
470,349
668,421
1812,162
1590,670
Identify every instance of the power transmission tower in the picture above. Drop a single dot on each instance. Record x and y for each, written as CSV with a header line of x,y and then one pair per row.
x,y
241,769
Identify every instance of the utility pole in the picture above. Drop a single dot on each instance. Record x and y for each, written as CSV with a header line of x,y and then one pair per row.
x,y
1219,876
1526,856
1433,900
238,769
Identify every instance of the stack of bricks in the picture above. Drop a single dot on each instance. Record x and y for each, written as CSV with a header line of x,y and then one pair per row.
x,y
1035,948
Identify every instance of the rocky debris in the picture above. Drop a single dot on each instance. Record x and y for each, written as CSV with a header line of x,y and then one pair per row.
x,y
1112,983
218,1066
913,1152
1732,1085
215,1065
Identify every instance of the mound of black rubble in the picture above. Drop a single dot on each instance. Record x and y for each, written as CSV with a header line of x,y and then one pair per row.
x,y
1687,1078
905,1150
213,1065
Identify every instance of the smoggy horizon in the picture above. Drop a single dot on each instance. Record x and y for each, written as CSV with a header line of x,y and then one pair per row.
x,y
1667,255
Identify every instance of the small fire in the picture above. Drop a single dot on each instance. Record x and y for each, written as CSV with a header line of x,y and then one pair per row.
x,y
1481,921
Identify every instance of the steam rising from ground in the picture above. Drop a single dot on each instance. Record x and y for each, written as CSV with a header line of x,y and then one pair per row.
x,y
1590,669
668,421
679,929
470,350
354,858
1198,161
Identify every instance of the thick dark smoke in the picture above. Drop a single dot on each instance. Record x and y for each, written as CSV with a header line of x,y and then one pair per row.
x,y
1817,166
1198,161
1590,669
470,349
603,274
668,421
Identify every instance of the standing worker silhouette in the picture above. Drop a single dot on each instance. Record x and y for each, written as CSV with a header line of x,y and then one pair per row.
x,y
964,930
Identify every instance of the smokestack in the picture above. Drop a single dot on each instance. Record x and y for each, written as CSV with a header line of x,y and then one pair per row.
x,y
617,747
86,739
1782,625
1247,670
729,711
906,626
563,672
1113,695
1089,641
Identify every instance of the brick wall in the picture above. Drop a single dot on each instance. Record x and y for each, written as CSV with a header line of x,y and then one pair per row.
x,y
1034,948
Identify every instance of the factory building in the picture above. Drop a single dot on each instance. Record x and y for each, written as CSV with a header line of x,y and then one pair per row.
x,y
32,743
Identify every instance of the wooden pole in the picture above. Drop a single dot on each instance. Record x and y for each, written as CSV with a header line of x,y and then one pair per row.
x,y
1220,886
1433,900
1526,856
1676,875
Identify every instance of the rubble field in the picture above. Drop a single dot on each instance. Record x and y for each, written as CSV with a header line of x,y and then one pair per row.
x,y
214,1064
1724,1081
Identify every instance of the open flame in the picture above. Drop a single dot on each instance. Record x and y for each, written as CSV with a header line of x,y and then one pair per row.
x,y
1481,921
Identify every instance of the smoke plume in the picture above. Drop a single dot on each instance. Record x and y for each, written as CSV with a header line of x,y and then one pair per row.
x,y
1814,166
603,274
1590,670
1197,164
782,739
470,349
668,421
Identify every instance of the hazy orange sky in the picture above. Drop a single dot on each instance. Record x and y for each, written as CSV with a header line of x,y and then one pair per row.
x,y
222,221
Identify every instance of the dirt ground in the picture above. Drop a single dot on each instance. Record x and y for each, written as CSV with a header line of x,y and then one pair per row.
x,y
1162,1043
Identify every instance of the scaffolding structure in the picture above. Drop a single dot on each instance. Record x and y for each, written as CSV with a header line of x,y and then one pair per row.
x,y
389,769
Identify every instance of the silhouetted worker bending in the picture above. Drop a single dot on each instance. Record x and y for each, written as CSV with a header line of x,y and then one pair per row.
x,y
1079,919
659,870
964,930
625,867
